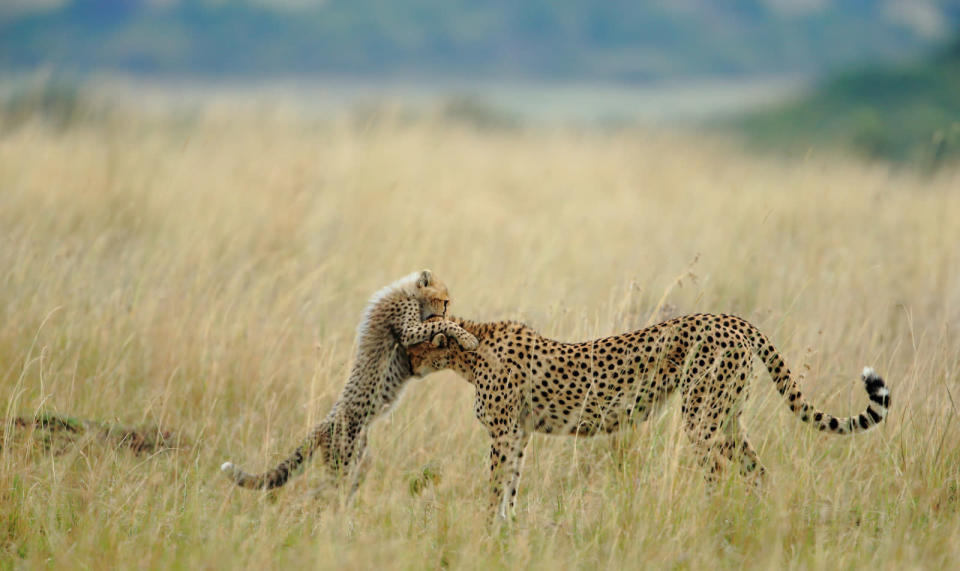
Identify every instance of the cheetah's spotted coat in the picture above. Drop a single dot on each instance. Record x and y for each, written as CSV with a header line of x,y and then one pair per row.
x,y
527,383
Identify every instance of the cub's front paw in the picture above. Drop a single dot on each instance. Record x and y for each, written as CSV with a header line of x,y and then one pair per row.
x,y
468,342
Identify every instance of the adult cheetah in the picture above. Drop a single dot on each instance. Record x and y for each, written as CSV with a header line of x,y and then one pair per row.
x,y
527,383
395,317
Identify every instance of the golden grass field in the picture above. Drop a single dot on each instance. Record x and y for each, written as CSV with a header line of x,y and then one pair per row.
x,y
207,275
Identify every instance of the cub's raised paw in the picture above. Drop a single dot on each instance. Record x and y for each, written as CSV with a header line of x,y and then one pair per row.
x,y
468,342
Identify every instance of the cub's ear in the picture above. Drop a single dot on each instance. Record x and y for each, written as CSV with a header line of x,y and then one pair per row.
x,y
426,276
439,341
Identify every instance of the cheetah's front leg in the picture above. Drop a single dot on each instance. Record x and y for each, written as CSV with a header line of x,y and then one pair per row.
x,y
506,458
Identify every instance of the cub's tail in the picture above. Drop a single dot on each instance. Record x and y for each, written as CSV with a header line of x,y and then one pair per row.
x,y
290,467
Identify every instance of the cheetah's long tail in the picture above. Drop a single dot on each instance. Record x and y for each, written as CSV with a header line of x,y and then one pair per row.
x,y
277,477
877,392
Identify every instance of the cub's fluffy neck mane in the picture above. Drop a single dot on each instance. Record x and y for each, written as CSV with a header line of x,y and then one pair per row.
x,y
403,287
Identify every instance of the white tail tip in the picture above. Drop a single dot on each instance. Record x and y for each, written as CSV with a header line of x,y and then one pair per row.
x,y
228,467
869,372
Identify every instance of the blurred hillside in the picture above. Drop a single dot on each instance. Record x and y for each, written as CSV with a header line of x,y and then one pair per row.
x,y
906,113
534,38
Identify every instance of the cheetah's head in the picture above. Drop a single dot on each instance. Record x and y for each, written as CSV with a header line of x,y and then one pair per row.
x,y
431,356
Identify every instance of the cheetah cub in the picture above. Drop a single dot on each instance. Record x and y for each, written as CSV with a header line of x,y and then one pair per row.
x,y
395,318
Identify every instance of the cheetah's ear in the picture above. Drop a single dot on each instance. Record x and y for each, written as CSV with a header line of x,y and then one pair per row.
x,y
439,341
426,276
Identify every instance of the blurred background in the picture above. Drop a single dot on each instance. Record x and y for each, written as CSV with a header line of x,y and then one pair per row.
x,y
878,77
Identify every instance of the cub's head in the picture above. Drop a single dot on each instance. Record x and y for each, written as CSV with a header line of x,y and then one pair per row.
x,y
433,355
432,295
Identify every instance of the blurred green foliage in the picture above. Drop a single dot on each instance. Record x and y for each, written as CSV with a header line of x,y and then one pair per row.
x,y
57,101
905,113
474,111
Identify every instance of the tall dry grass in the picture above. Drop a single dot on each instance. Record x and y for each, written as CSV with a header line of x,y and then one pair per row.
x,y
208,276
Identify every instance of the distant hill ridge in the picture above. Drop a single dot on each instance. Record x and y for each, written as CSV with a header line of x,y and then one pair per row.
x,y
614,39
